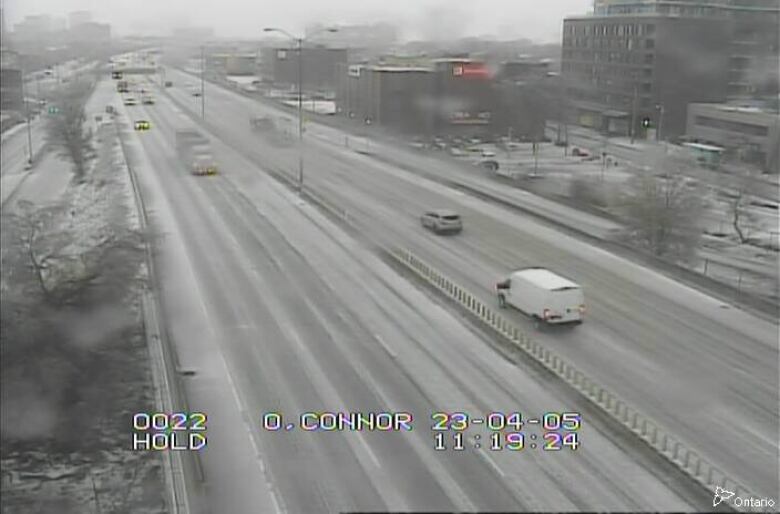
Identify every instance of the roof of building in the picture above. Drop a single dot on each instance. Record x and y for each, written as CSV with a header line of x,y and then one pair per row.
x,y
700,146
396,69
758,112
545,279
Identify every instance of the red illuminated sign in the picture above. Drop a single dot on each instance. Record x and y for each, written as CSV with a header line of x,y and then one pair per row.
x,y
476,70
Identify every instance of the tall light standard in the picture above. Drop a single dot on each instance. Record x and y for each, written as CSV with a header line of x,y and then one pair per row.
x,y
202,82
299,41
27,115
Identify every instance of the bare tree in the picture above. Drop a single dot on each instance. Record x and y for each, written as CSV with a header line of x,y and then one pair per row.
x,y
663,214
65,127
741,217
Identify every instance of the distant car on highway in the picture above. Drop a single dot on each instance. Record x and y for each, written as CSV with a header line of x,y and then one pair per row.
x,y
579,152
142,125
442,221
487,153
130,100
168,83
147,99
261,123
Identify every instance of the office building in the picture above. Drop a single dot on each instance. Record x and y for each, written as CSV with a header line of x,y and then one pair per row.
x,y
11,95
77,18
465,100
91,33
640,59
748,134
397,97
523,98
320,65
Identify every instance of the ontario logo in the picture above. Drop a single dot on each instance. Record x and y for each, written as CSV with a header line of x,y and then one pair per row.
x,y
722,495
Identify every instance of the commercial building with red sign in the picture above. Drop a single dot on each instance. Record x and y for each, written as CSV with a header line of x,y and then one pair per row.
x,y
465,99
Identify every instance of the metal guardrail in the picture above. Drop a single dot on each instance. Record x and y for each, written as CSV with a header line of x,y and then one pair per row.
x,y
168,394
674,450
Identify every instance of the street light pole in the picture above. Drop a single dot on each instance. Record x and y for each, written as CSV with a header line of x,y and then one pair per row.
x,y
300,114
27,115
202,82
299,41
633,116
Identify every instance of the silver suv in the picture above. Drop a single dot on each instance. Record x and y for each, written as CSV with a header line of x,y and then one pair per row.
x,y
441,221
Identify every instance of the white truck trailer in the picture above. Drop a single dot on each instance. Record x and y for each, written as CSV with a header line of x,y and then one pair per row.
x,y
547,298
194,149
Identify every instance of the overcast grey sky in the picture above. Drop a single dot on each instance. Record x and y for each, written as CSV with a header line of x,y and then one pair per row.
x,y
539,20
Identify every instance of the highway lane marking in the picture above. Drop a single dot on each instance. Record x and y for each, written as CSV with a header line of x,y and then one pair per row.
x,y
490,462
278,505
387,348
368,449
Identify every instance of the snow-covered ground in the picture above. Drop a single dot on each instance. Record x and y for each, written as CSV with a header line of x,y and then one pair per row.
x,y
85,381
750,266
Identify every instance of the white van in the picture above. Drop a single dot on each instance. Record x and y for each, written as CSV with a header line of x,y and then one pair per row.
x,y
546,297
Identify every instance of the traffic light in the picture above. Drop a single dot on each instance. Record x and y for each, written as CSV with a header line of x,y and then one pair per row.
x,y
646,122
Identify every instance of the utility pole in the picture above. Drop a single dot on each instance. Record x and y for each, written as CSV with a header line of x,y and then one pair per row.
x,y
658,136
536,156
202,82
300,114
27,115
633,117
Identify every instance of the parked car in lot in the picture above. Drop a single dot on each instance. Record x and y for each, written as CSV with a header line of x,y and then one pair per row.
x,y
548,298
487,153
442,221
579,152
489,164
